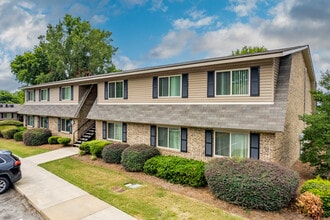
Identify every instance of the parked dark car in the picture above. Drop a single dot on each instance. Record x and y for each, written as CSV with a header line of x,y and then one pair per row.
x,y
10,170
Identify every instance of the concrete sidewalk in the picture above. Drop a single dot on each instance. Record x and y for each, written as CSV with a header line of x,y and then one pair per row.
x,y
57,199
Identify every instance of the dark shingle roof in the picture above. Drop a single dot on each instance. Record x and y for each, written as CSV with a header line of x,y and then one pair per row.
x,y
7,108
50,110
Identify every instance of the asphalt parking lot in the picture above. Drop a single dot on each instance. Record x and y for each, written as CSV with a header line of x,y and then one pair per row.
x,y
15,207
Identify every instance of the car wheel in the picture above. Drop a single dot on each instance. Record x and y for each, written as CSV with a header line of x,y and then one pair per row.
x,y
4,184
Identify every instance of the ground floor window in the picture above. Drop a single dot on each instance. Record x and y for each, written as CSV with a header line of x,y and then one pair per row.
x,y
169,137
66,125
30,120
7,115
115,131
43,122
232,144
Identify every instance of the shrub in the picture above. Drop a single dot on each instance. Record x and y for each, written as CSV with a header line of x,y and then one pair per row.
x,y
112,153
94,147
177,170
321,188
252,184
18,136
9,132
310,205
53,140
64,141
134,157
36,136
11,122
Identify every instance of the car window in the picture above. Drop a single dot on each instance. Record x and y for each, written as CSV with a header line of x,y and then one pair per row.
x,y
2,160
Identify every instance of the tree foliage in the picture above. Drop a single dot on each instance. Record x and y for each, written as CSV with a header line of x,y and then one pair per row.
x,y
70,49
249,50
316,139
12,98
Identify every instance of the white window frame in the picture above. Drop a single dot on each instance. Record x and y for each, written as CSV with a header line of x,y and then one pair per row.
x,y
42,94
30,95
169,86
168,137
116,95
44,122
30,121
231,81
67,125
230,143
63,89
115,134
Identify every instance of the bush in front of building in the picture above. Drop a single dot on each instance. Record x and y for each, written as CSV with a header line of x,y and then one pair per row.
x,y
310,205
253,184
112,153
8,131
18,136
36,136
177,170
321,188
11,122
93,147
53,139
134,156
64,141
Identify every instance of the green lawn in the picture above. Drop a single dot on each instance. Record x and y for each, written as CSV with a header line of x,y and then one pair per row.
x,y
19,149
146,202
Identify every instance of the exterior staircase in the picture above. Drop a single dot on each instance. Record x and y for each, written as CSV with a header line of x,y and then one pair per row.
x,y
87,136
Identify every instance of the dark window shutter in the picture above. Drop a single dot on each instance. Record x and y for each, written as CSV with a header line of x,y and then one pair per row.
x,y
48,94
33,121
254,145
185,87
34,95
71,92
208,142
210,84
184,138
155,87
126,89
38,121
124,132
106,90
40,95
104,130
60,94
59,124
153,135
255,81
26,119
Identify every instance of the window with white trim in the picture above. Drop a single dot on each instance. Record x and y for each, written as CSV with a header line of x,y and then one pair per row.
x,y
170,86
44,94
115,131
233,82
66,125
232,144
30,120
66,93
169,137
8,115
30,95
44,122
116,89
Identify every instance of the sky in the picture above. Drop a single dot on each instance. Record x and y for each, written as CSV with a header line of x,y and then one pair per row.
x,y
149,33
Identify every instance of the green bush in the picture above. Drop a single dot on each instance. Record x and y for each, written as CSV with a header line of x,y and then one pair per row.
x,y
134,157
11,122
36,136
63,140
112,153
21,128
321,188
18,136
253,184
53,139
9,132
94,147
177,170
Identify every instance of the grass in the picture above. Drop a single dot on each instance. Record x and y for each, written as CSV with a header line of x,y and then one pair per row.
x,y
146,202
19,149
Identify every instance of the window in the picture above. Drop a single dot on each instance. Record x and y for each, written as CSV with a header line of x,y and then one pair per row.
x,y
170,86
232,144
115,131
44,94
30,95
7,115
233,82
30,120
66,125
43,122
66,93
116,89
169,137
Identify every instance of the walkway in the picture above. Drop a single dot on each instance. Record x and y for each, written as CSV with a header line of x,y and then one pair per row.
x,y
55,198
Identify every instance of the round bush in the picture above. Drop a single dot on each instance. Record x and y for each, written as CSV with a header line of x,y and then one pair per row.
x,y
134,157
36,136
53,139
63,140
93,147
112,153
18,136
11,122
9,132
252,184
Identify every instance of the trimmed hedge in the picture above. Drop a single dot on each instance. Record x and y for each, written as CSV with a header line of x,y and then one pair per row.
x,y
64,141
53,139
9,131
94,147
36,136
18,136
321,188
134,157
11,122
253,184
112,153
177,170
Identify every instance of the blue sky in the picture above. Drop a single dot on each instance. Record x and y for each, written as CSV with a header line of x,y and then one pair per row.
x,y
155,32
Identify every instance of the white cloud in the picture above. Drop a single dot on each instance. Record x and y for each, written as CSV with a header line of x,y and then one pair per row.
x,y
124,63
132,3
187,23
243,7
99,19
158,5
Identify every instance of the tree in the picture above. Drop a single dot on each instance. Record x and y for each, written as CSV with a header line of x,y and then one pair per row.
x,y
9,98
69,49
316,139
249,50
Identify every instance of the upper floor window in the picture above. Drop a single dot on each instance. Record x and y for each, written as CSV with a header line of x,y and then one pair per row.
x,y
116,89
231,144
44,95
232,82
66,93
30,95
169,86
169,137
